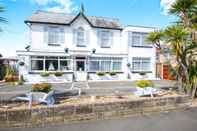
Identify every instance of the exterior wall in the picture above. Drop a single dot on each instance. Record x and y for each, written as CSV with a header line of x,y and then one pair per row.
x,y
119,47
149,52
37,39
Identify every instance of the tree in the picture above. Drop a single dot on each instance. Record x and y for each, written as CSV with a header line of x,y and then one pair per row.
x,y
184,9
155,37
184,48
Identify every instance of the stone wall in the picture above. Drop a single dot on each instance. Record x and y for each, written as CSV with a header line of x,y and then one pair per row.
x,y
83,112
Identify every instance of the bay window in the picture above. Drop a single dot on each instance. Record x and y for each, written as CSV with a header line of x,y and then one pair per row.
x,y
46,63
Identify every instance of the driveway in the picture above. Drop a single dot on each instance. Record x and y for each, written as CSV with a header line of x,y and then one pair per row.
x,y
173,121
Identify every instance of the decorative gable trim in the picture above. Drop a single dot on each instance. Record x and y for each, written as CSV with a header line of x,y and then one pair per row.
x,y
81,14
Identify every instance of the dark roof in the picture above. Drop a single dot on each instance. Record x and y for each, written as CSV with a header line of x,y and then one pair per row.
x,y
67,19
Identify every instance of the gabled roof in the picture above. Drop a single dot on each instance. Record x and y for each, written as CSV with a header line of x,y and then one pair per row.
x,y
44,17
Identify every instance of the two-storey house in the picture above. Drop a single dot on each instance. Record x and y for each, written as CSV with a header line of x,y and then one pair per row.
x,y
84,45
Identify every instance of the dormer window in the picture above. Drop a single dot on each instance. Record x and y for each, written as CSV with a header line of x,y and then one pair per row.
x,y
81,37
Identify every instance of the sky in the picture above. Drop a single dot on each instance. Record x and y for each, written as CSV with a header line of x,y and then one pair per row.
x,y
130,12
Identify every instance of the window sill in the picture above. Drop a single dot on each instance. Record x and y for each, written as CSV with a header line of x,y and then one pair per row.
x,y
105,47
81,45
141,71
141,46
53,44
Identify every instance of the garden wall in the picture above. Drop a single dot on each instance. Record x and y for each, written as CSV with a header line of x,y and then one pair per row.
x,y
83,112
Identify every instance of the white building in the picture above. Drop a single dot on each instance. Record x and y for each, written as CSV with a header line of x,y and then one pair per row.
x,y
84,45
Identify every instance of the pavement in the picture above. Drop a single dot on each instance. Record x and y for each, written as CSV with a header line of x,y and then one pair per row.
x,y
7,92
185,120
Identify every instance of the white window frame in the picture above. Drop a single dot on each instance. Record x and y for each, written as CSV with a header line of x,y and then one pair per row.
x,y
104,59
80,37
57,33
142,42
141,62
69,60
105,38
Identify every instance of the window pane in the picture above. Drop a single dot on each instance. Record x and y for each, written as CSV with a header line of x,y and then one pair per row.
x,y
105,39
141,64
105,65
53,35
37,65
136,39
117,66
51,65
144,42
65,65
80,37
94,66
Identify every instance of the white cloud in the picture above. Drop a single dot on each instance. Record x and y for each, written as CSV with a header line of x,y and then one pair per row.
x,y
165,5
66,6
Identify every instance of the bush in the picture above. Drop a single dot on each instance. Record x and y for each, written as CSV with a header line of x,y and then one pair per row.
x,y
43,87
11,78
100,73
112,73
142,73
58,74
144,83
2,71
45,74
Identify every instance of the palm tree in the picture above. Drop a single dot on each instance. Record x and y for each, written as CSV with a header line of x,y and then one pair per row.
x,y
2,20
155,38
184,9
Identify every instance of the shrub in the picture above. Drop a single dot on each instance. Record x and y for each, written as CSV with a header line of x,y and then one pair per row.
x,y
45,74
100,73
142,73
11,78
58,74
42,87
2,71
144,83
112,73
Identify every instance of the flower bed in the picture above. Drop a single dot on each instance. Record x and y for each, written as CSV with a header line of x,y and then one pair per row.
x,y
89,108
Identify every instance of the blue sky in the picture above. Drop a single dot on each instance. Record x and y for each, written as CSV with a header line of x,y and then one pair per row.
x,y
130,12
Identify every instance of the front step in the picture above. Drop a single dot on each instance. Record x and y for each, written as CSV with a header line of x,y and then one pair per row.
x,y
80,85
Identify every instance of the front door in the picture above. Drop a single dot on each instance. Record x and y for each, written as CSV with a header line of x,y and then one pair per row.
x,y
80,65
80,69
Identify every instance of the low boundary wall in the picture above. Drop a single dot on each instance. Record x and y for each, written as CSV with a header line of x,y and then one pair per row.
x,y
59,114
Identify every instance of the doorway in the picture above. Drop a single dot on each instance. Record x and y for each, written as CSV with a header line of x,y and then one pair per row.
x,y
80,63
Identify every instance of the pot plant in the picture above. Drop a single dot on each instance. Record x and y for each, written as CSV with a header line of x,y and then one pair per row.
x,y
45,74
42,87
144,83
59,74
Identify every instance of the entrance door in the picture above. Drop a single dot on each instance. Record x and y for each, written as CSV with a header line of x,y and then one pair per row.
x,y
80,69
80,65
